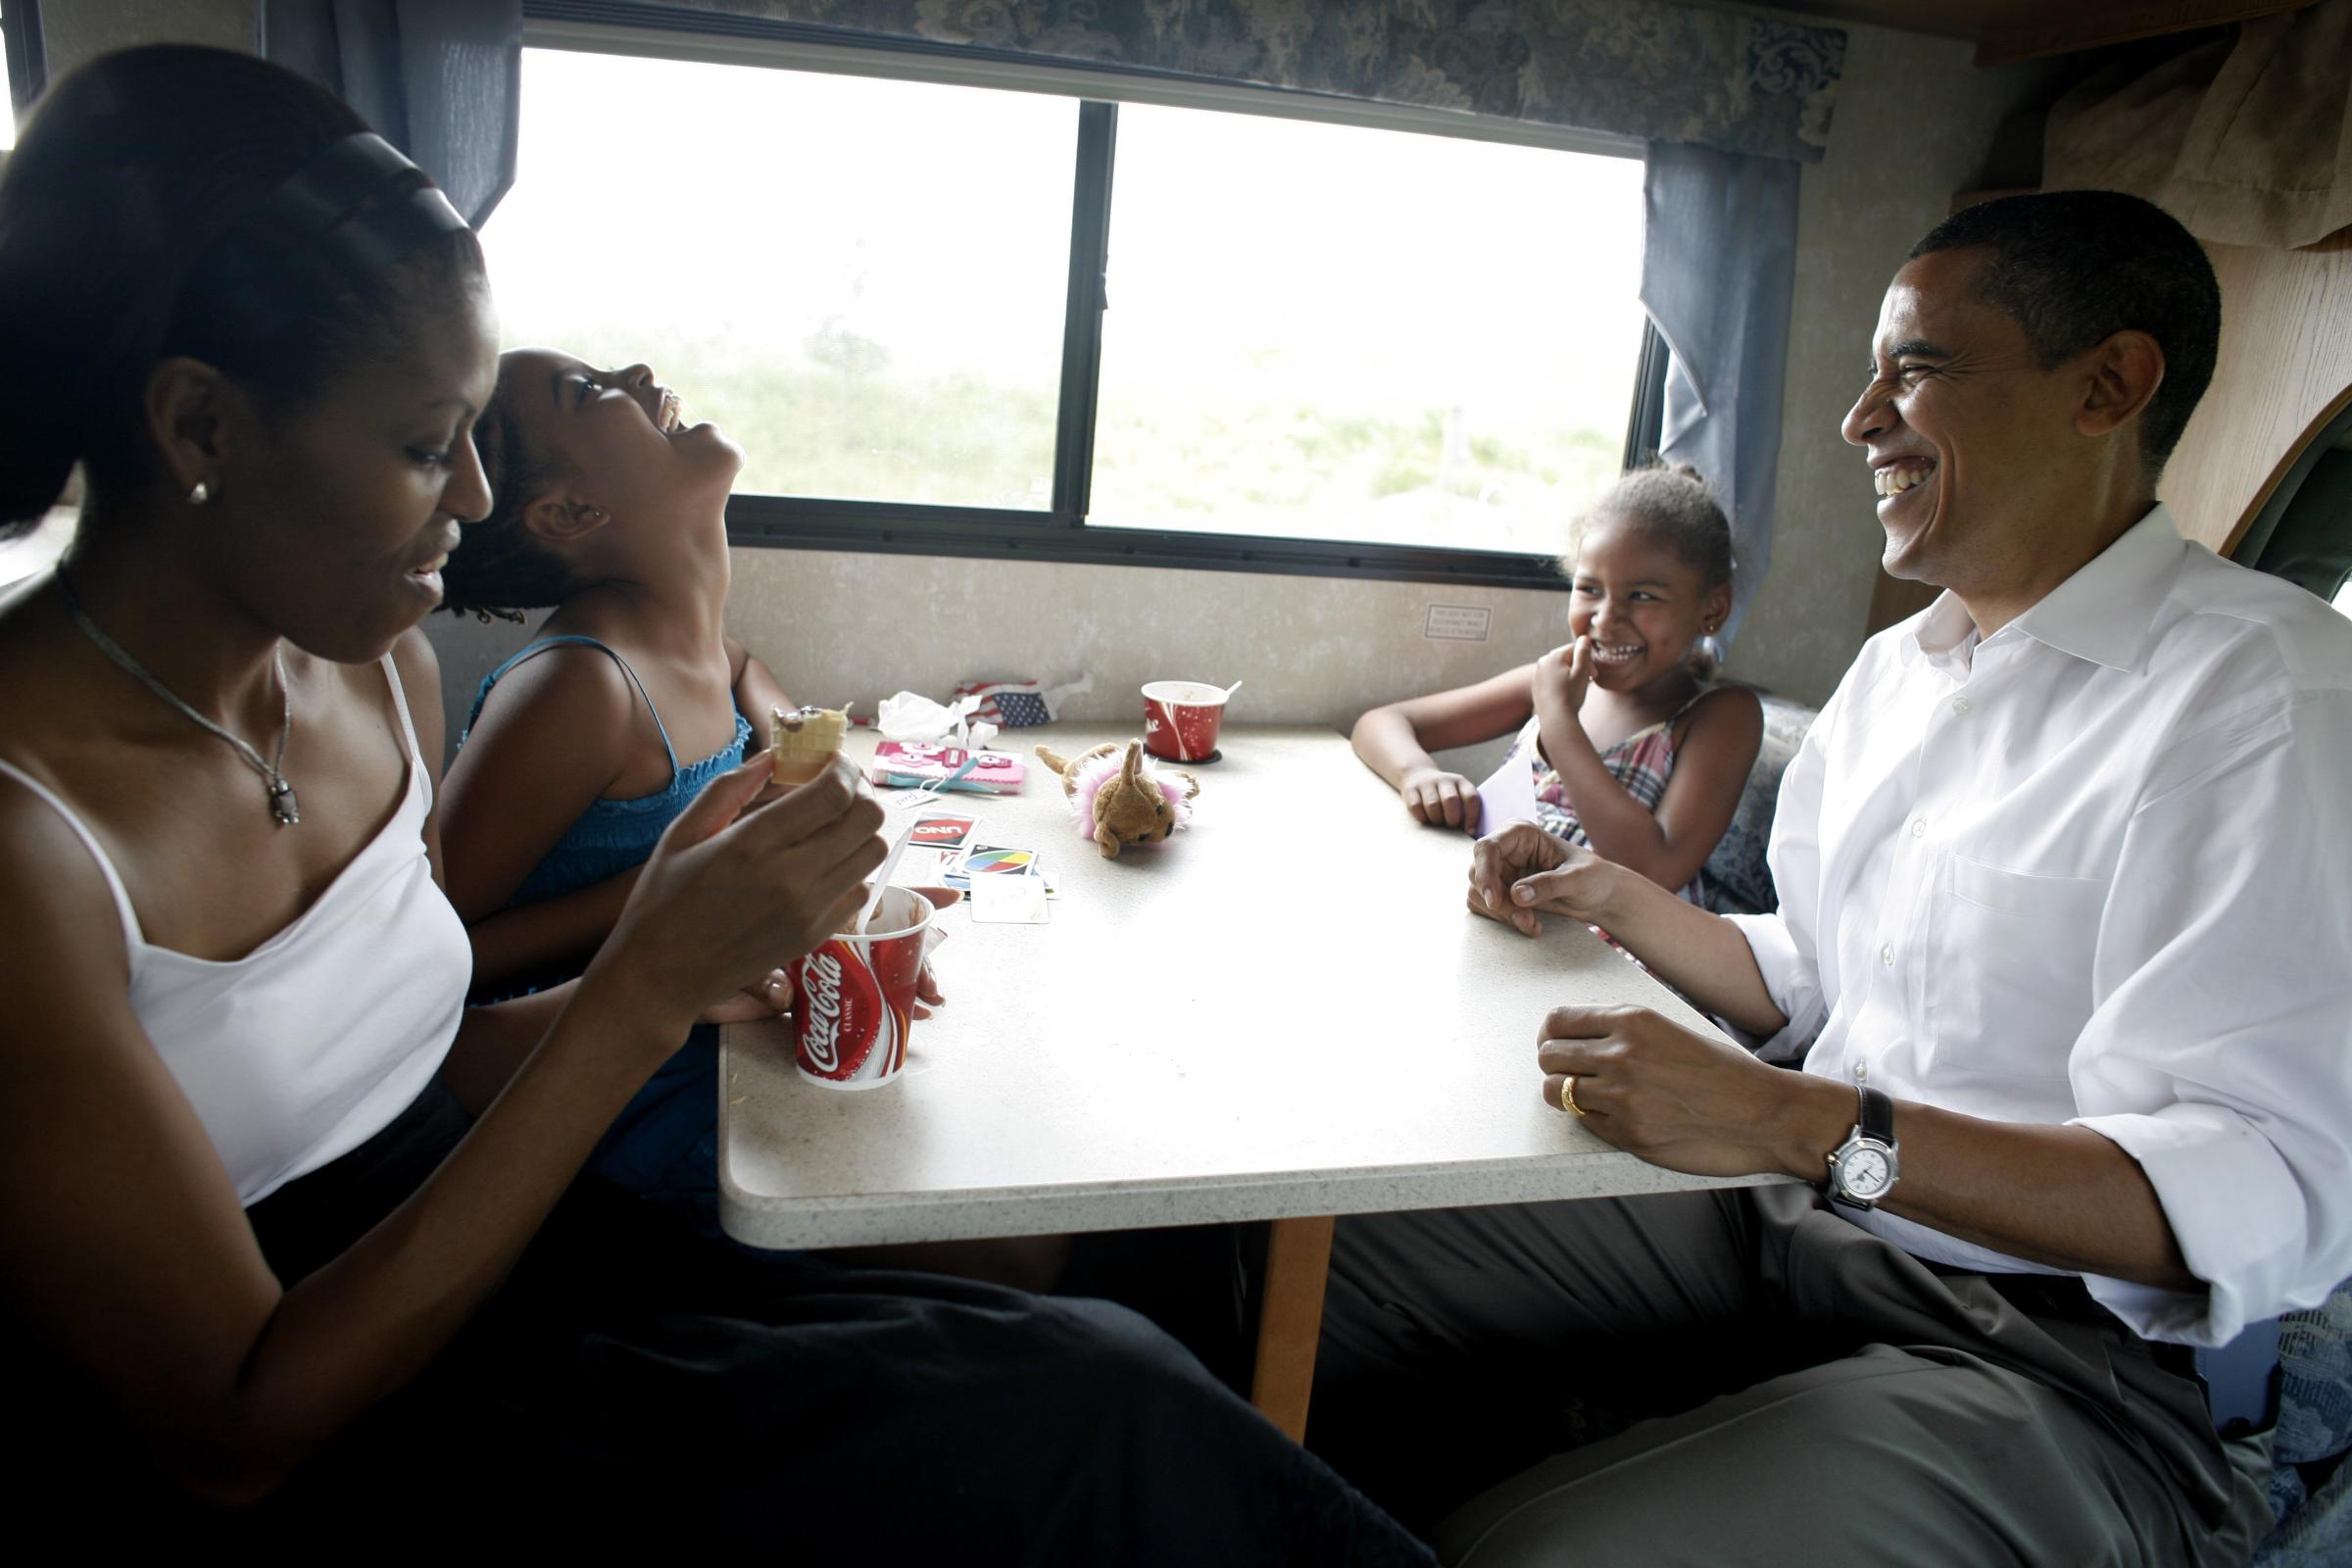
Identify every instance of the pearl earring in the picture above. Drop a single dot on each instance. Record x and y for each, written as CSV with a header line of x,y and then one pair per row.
x,y
199,493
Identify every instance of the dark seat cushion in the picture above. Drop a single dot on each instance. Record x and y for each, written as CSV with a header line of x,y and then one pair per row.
x,y
1737,881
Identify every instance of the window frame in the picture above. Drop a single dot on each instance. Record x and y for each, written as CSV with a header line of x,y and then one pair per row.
x,y
1063,532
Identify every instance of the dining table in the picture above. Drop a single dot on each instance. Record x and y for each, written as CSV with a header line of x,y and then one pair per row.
x,y
1285,1012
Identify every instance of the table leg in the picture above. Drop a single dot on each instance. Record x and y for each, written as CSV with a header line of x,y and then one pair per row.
x,y
1290,1320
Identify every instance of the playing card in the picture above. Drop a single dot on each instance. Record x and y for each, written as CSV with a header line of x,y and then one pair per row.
x,y
943,832
989,860
1009,901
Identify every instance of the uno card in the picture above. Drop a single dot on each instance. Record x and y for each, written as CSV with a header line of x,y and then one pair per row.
x,y
990,860
959,868
943,832
1009,901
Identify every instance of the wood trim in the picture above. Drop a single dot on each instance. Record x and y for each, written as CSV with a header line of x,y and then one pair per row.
x,y
2284,374
2056,30
1289,1321
2286,459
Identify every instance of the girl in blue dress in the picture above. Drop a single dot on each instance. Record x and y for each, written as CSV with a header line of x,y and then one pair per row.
x,y
585,744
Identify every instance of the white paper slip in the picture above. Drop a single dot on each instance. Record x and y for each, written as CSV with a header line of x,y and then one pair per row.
x,y
1009,900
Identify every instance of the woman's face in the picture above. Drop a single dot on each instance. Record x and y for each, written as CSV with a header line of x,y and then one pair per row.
x,y
1640,602
621,437
334,517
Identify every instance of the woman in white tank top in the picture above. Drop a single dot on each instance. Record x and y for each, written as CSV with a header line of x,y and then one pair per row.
x,y
261,1270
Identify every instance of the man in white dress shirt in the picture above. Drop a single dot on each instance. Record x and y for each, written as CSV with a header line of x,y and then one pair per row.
x,y
2065,954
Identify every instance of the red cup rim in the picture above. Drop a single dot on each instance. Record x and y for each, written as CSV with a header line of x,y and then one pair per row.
x,y
1156,691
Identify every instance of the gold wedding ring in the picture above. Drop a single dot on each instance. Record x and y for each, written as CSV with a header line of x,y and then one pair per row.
x,y
1568,1095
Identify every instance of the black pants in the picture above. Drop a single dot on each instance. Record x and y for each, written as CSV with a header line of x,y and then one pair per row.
x,y
1743,1377
633,1385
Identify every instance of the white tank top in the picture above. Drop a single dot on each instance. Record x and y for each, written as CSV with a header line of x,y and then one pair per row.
x,y
310,1044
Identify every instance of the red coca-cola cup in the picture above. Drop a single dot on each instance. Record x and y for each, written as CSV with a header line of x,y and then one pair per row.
x,y
1181,719
853,998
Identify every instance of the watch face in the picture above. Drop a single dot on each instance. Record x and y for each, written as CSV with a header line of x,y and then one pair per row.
x,y
1867,1172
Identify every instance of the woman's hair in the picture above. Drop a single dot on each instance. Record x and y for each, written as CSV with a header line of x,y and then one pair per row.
x,y
1673,507
499,567
152,208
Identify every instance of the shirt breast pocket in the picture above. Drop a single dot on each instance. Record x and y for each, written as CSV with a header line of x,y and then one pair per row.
x,y
2008,982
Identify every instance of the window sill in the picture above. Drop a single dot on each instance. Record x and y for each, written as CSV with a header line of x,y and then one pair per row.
x,y
780,522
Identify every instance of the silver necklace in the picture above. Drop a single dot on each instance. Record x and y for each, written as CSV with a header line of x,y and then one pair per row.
x,y
283,803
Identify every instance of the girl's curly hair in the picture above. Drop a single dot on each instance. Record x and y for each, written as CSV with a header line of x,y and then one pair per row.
x,y
1673,506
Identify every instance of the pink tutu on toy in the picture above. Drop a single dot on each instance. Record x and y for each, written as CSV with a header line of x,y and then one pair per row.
x,y
1087,774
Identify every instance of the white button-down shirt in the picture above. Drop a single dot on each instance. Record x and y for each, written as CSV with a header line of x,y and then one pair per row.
x,y
2097,869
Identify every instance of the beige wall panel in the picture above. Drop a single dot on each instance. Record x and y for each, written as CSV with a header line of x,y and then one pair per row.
x,y
1915,118
1314,650
73,30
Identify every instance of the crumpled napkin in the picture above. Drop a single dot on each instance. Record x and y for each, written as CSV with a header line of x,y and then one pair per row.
x,y
912,716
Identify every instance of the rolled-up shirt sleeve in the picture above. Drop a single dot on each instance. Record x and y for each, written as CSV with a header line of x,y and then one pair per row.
x,y
1785,943
2218,1054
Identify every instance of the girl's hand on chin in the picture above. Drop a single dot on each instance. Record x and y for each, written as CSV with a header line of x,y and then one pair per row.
x,y
1562,677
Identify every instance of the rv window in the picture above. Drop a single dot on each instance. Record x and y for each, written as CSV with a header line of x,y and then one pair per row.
x,y
885,290
1326,331
7,121
862,281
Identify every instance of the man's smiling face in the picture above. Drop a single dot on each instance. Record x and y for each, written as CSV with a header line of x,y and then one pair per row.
x,y
1969,439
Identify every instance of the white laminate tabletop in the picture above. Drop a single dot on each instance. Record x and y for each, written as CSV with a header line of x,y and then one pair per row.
x,y
1284,1010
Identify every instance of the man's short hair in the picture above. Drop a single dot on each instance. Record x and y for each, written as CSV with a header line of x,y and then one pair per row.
x,y
2073,268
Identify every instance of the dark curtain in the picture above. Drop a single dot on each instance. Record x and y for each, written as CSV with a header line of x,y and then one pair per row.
x,y
440,80
1718,271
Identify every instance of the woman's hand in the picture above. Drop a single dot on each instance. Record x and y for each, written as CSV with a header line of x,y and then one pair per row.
x,y
732,887
1440,798
927,995
771,996
1522,871
1562,677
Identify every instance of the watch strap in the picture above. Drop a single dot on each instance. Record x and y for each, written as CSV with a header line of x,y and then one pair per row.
x,y
1878,1115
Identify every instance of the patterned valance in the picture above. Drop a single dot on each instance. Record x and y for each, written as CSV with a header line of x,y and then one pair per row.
x,y
1639,68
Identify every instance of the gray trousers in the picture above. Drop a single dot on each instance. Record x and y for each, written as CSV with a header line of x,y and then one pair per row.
x,y
1742,1377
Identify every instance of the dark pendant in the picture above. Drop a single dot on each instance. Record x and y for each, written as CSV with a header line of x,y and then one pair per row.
x,y
282,803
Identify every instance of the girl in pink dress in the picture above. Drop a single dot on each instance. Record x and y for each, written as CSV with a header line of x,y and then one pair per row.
x,y
1622,745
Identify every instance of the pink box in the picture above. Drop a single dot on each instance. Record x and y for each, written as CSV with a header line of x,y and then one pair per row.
x,y
901,763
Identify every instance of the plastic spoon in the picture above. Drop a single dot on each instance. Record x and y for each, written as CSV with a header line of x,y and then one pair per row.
x,y
874,899
1229,690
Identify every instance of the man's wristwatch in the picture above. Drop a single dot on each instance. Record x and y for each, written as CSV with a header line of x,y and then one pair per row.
x,y
1863,1169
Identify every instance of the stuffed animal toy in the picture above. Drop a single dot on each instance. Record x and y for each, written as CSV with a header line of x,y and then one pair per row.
x,y
1121,799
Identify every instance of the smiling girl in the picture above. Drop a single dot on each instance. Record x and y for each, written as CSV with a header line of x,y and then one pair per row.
x,y
1626,747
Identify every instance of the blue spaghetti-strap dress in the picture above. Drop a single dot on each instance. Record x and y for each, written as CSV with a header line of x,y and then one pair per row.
x,y
664,1146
